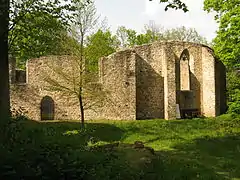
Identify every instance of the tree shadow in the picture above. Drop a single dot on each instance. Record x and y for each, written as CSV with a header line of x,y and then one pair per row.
x,y
205,158
63,134
60,150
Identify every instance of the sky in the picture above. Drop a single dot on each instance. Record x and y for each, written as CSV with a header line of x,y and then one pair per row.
x,y
135,13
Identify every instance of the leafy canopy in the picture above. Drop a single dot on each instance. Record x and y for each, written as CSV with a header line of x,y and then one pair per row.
x,y
227,42
100,44
174,4
37,28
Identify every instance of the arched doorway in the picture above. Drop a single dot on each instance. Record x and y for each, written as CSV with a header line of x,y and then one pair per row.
x,y
47,108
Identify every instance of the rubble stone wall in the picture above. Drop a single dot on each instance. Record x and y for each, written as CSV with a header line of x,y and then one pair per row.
x,y
143,82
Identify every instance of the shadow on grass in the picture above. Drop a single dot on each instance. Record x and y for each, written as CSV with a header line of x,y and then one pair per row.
x,y
204,158
54,150
70,133
58,150
219,154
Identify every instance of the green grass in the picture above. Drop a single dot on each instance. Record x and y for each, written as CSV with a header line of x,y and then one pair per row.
x,y
184,149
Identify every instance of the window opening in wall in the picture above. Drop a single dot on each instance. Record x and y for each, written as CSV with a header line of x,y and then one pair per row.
x,y
184,70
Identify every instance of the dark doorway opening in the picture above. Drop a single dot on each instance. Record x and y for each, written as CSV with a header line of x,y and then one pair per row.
x,y
47,108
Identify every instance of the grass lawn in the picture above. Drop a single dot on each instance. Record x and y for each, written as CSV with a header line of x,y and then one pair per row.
x,y
184,149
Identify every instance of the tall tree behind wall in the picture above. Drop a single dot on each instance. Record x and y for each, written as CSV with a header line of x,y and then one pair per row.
x,y
227,41
227,45
100,44
184,34
4,73
153,32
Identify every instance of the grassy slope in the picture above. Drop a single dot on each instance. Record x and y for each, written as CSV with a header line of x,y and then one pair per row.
x,y
185,149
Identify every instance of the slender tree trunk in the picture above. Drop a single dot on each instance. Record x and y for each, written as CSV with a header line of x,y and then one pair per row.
x,y
81,111
81,81
4,69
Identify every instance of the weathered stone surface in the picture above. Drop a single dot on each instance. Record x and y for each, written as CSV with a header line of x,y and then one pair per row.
x,y
142,82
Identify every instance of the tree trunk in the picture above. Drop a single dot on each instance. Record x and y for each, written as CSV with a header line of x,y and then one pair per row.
x,y
81,80
81,110
4,69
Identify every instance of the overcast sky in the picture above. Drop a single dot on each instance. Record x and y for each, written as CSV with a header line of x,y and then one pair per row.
x,y
135,13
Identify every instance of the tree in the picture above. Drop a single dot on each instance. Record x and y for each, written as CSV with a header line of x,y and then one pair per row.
x,y
227,41
69,79
61,9
129,37
38,34
153,32
174,4
86,19
98,45
122,36
4,73
184,34
36,27
227,45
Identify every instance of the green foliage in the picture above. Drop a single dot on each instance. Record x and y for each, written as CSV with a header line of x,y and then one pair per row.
x,y
129,37
174,4
233,87
37,28
47,150
227,45
38,34
99,45
184,34
227,42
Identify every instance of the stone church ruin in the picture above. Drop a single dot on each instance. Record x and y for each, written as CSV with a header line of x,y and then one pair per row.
x,y
166,80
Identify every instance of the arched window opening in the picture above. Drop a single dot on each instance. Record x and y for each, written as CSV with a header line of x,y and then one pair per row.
x,y
47,108
184,70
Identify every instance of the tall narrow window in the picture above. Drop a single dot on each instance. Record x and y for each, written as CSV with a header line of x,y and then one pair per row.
x,y
184,70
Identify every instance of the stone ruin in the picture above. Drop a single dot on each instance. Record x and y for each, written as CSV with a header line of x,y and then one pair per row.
x,y
165,80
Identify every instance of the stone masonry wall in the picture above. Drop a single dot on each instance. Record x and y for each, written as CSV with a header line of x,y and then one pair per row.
x,y
118,78
150,82
209,108
143,82
29,96
150,92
